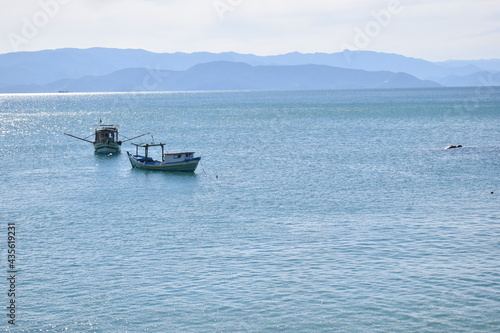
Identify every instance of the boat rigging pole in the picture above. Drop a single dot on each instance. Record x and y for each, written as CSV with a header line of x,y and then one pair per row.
x,y
78,138
135,137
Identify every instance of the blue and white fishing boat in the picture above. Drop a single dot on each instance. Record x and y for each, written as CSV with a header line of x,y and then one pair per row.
x,y
185,161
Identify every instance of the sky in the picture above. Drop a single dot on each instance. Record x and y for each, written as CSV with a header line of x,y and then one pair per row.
x,y
434,30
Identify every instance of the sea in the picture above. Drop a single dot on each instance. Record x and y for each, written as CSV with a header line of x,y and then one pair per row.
x,y
311,211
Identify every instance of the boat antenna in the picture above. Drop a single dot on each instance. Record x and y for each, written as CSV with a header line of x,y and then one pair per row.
x,y
152,139
100,121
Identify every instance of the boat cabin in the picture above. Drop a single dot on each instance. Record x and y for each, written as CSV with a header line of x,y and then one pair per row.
x,y
106,134
176,157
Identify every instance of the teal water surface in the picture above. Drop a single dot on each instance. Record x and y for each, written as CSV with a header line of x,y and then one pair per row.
x,y
311,211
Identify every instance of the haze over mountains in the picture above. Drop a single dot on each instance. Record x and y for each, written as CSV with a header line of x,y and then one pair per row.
x,y
102,69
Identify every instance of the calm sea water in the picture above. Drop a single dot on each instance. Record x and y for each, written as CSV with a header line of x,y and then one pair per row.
x,y
312,211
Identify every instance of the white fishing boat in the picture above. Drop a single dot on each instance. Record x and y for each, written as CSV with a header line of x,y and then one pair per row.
x,y
106,139
185,161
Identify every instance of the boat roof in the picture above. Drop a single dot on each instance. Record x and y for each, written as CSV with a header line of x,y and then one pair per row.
x,y
148,144
104,125
108,129
184,152
102,128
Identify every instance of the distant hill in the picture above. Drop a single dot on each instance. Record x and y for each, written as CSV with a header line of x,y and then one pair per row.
x,y
484,64
224,75
38,70
484,78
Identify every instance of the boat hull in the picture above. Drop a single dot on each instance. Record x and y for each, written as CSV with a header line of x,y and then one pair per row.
x,y
106,148
188,165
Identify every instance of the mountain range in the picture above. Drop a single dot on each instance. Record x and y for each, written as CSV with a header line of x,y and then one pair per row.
x,y
104,69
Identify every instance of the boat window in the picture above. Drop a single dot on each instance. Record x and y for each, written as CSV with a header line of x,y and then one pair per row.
x,y
178,156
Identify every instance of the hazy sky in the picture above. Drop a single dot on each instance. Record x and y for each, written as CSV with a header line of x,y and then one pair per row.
x,y
430,29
